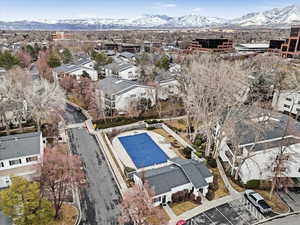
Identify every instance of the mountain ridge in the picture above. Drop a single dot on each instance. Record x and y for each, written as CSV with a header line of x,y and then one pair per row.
x,y
276,17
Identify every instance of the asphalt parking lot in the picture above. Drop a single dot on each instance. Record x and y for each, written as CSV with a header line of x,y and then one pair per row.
x,y
292,198
233,213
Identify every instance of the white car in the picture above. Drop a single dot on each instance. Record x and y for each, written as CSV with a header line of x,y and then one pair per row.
x,y
258,201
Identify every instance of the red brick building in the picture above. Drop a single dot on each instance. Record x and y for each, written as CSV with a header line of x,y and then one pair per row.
x,y
212,45
291,47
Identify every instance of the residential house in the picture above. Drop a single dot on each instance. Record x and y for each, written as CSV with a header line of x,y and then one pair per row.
x,y
287,102
261,136
122,70
74,70
178,175
117,94
12,113
20,153
166,85
127,56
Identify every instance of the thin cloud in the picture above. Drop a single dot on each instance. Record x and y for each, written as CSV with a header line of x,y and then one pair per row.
x,y
196,10
164,5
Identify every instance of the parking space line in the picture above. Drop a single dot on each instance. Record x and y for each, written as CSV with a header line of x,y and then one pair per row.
x,y
244,220
224,216
208,218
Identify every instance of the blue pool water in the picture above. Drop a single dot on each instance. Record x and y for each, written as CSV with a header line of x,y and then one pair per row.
x,y
143,150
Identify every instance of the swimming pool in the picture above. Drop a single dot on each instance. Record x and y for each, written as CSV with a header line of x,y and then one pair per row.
x,y
143,150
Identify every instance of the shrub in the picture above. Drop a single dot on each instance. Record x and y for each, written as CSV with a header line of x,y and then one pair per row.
x,y
212,162
198,200
198,154
210,195
187,151
192,197
253,184
151,128
153,121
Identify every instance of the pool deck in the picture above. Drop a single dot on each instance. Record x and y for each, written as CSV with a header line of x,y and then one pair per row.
x,y
122,154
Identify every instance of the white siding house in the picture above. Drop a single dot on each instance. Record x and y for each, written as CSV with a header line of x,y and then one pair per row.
x,y
287,101
179,175
167,86
20,153
123,71
259,151
117,94
74,70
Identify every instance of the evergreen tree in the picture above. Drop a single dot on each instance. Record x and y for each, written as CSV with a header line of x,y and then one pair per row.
x,y
22,202
66,56
8,60
54,61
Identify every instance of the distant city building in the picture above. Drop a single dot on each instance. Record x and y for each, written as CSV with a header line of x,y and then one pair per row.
x,y
61,36
291,48
258,48
213,45
275,45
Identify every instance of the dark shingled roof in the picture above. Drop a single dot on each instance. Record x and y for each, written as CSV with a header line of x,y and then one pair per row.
x,y
20,145
181,172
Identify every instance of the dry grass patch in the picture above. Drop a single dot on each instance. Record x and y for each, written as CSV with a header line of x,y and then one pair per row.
x,y
153,220
69,215
181,207
170,139
222,190
235,185
179,124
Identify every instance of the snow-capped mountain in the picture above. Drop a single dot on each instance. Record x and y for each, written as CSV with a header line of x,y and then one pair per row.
x,y
283,16
274,17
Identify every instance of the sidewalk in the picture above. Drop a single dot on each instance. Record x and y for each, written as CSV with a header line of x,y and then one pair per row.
x,y
231,190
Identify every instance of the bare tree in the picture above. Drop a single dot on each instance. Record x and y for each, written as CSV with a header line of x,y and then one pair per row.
x,y
43,99
214,88
137,207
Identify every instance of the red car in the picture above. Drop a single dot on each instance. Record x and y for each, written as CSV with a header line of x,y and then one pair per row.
x,y
181,222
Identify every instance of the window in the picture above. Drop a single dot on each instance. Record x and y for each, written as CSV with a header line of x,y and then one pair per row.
x,y
158,199
288,99
143,94
299,170
15,162
286,106
297,109
30,159
132,96
2,164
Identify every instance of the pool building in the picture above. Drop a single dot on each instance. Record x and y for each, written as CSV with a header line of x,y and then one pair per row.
x,y
178,175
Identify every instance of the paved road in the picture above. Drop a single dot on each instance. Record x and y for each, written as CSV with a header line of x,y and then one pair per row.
x,y
73,115
100,197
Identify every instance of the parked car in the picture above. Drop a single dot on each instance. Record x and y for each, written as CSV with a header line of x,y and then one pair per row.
x,y
258,201
181,222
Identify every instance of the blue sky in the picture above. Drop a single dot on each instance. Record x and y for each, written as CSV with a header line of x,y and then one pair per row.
x,y
61,9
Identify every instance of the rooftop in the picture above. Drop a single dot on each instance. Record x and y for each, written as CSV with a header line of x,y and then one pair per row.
x,y
20,145
180,172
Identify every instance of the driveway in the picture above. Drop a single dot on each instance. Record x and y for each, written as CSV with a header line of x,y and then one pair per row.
x,y
73,115
100,196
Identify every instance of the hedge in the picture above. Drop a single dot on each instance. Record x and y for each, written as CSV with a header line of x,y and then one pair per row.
x,y
253,184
